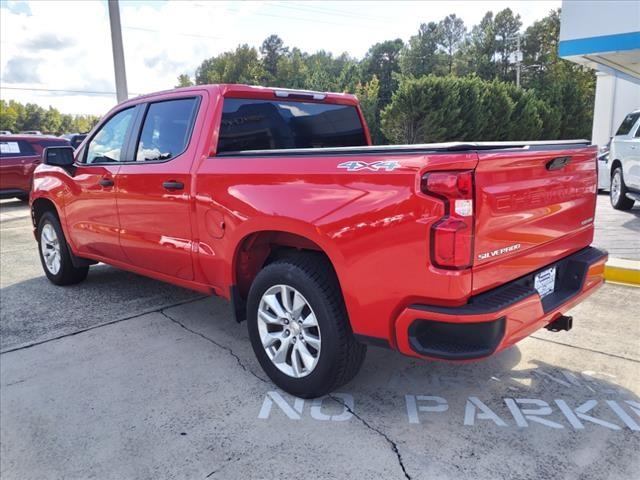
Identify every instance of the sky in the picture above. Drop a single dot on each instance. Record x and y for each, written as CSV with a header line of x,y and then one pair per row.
x,y
66,46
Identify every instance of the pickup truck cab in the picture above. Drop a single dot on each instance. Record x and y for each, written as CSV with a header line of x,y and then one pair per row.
x,y
275,200
624,163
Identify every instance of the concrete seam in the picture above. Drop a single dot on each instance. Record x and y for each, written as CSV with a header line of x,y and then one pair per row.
x,y
393,444
219,345
100,325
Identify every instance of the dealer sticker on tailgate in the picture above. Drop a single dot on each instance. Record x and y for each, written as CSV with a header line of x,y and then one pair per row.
x,y
545,281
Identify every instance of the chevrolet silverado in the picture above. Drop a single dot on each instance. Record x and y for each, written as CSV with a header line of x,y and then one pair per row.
x,y
275,200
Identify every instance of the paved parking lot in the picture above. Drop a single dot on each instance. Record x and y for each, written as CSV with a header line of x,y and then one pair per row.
x,y
617,231
125,377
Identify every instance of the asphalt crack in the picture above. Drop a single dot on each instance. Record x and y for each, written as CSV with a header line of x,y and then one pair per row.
x,y
393,444
100,325
217,344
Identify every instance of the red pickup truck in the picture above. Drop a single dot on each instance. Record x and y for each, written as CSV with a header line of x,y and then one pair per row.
x,y
275,200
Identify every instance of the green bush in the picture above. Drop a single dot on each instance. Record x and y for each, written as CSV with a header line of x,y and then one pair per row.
x,y
441,109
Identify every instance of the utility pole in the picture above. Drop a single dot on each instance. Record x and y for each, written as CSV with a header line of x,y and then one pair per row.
x,y
118,51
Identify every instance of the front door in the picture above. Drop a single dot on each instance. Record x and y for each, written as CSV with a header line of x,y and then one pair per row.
x,y
91,213
154,191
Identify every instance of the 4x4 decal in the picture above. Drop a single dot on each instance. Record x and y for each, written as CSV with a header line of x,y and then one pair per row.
x,y
357,165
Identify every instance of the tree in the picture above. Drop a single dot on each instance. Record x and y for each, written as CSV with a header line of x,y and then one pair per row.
x,y
240,66
184,81
272,51
382,61
8,116
420,56
422,110
368,97
440,109
52,120
292,70
452,31
480,48
506,28
16,117
567,88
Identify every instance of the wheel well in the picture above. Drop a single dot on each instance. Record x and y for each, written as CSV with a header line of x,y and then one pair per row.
x,y
260,249
616,163
39,207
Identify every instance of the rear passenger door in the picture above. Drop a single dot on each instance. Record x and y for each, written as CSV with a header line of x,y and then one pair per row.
x,y
154,190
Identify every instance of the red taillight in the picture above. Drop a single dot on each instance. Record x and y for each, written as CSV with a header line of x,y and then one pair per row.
x,y
452,235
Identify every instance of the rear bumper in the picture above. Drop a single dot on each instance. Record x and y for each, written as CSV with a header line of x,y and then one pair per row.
x,y
497,319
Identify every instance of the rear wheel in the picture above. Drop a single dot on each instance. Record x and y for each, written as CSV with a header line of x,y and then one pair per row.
x,y
299,328
54,253
618,192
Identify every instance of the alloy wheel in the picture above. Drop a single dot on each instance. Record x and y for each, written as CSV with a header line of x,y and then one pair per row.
x,y
50,247
289,331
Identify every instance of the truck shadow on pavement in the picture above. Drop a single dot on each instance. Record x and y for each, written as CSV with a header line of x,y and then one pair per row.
x,y
34,309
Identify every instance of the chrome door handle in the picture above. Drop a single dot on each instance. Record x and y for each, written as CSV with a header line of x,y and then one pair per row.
x,y
173,185
106,182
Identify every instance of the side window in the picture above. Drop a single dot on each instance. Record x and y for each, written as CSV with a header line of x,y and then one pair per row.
x,y
166,129
16,148
637,135
106,146
627,124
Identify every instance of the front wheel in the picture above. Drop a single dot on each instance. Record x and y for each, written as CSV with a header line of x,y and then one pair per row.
x,y
299,328
618,192
54,253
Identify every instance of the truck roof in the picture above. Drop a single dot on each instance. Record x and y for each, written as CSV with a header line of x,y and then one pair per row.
x,y
253,91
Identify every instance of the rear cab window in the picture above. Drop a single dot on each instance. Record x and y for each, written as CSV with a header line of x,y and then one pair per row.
x,y
253,124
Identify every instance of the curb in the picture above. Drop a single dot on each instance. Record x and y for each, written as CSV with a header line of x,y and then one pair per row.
x,y
619,270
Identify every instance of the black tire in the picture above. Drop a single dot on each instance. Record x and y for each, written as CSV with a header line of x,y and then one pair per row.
x,y
340,356
623,202
68,274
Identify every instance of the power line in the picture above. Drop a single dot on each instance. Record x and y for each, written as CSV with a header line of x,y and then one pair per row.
x,y
165,32
326,11
55,90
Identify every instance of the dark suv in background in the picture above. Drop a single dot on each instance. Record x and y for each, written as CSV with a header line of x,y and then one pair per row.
x,y
19,155
75,138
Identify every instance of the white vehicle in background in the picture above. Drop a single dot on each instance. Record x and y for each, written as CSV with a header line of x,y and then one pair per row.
x,y
624,163
604,177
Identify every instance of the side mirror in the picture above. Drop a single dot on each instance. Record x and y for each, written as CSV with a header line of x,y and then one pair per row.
x,y
58,156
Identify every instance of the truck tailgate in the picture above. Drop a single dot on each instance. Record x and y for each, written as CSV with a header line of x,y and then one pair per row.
x,y
533,207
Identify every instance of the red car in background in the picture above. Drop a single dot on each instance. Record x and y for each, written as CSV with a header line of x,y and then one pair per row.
x,y
19,156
